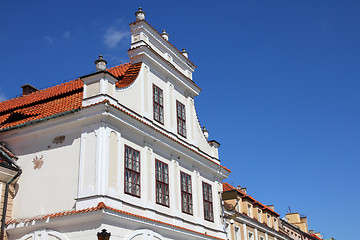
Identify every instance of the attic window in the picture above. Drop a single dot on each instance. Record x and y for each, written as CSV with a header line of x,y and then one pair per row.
x,y
249,210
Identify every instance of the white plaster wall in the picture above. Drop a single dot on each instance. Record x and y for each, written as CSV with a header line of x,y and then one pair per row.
x,y
146,205
52,187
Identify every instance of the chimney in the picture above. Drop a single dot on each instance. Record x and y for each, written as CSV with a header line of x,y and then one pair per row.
x,y
165,35
27,89
271,207
311,231
243,189
238,187
140,15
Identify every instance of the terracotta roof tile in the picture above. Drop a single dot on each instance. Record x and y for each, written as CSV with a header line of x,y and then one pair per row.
x,y
100,206
120,70
128,76
41,95
227,187
314,235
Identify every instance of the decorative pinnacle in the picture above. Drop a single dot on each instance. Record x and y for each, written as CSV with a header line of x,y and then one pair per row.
x,y
100,63
185,53
165,35
140,14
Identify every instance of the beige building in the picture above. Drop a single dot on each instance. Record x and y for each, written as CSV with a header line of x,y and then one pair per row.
x,y
296,227
247,218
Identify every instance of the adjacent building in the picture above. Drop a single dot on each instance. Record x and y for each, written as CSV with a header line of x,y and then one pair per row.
x,y
296,227
247,218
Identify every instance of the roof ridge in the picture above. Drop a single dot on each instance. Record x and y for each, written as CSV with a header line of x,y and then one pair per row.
x,y
117,66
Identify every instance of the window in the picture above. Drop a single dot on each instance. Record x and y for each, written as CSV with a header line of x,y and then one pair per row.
x,y
162,183
275,223
208,205
262,238
259,215
181,119
132,171
268,220
249,210
186,193
237,233
158,102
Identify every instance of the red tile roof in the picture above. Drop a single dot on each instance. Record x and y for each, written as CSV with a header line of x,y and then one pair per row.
x,y
119,71
128,76
41,104
58,99
100,206
314,235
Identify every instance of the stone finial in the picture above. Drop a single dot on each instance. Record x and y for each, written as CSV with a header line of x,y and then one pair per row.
x,y
165,35
185,53
100,64
140,14
205,132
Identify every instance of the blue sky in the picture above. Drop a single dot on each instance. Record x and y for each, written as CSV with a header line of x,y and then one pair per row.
x,y
280,84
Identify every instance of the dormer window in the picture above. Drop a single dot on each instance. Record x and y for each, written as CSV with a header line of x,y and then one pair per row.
x,y
158,102
181,119
268,220
249,210
259,215
275,223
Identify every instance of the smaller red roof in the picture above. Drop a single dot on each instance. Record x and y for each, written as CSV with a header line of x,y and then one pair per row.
x,y
228,187
314,235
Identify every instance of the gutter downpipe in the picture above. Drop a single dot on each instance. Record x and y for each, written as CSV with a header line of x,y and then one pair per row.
x,y
19,171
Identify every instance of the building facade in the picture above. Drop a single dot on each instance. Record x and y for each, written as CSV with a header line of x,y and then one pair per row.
x,y
120,149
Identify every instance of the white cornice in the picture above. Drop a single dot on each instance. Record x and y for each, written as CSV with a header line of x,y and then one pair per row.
x,y
89,219
161,43
144,54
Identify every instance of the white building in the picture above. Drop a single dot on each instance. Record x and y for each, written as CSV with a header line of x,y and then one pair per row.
x,y
120,149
